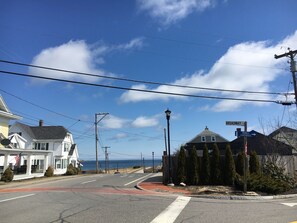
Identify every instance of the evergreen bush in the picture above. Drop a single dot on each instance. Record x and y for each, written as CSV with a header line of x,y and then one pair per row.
x,y
240,164
8,175
229,170
215,166
205,167
272,181
181,168
49,172
192,173
71,170
254,164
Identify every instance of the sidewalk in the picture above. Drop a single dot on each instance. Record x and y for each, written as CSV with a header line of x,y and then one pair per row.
x,y
155,184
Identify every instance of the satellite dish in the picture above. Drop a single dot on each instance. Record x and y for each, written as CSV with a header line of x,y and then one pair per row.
x,y
5,142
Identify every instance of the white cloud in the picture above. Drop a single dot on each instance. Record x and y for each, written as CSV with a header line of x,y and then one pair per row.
x,y
143,121
77,56
136,43
113,122
171,11
119,136
248,66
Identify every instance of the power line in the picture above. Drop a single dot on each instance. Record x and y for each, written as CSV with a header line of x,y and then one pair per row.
x,y
41,107
140,90
139,81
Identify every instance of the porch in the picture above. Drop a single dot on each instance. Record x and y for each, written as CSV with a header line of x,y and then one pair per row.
x,y
27,167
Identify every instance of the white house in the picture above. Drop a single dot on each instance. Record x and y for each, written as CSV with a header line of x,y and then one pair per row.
x,y
56,140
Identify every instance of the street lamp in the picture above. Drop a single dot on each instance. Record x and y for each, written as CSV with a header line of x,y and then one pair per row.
x,y
168,112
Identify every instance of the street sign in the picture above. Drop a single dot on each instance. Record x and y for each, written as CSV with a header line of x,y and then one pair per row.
x,y
241,123
247,134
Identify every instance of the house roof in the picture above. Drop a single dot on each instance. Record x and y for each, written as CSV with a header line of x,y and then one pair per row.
x,y
282,129
71,149
206,132
262,144
14,138
45,132
5,112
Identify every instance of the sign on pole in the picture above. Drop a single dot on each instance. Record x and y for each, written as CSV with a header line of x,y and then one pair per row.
x,y
241,123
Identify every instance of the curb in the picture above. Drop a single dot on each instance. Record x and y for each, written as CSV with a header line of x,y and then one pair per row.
x,y
222,197
237,197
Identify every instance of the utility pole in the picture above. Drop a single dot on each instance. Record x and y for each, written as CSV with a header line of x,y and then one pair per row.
x,y
153,154
291,54
245,163
106,159
245,150
96,136
143,165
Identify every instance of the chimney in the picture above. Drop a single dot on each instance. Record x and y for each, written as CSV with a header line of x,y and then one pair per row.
x,y
40,123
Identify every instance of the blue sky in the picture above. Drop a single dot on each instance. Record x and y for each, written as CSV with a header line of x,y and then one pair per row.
x,y
202,43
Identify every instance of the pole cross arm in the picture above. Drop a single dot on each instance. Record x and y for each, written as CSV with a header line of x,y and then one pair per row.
x,y
288,54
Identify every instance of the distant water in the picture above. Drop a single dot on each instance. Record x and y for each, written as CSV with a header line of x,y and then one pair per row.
x,y
114,164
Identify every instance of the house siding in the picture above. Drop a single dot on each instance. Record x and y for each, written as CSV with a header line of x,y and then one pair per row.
x,y
54,145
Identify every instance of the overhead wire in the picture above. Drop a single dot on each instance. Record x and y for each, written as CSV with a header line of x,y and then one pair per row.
x,y
138,89
138,81
41,107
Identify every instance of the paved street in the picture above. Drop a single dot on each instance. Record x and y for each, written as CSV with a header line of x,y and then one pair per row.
x,y
113,198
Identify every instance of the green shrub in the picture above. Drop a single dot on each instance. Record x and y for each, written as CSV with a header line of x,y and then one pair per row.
x,y
7,176
267,184
240,163
254,165
71,170
49,172
229,170
215,167
205,167
272,181
181,167
193,168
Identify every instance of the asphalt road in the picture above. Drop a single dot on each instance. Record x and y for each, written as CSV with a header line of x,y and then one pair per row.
x,y
113,198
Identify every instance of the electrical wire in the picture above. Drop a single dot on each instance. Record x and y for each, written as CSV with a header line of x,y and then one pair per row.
x,y
136,89
139,81
41,107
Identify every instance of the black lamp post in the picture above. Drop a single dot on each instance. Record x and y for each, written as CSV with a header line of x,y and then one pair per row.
x,y
168,112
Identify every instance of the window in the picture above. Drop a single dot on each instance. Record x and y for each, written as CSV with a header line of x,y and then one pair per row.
x,y
64,163
58,163
61,163
40,146
66,147
213,138
203,139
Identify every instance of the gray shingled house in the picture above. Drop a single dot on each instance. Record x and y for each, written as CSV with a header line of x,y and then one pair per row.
x,y
55,139
207,137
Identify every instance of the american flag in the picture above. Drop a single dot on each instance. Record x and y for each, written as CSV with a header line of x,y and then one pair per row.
x,y
17,159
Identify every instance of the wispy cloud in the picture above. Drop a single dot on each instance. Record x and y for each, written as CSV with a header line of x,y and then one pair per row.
x,y
143,121
114,122
118,136
172,11
248,66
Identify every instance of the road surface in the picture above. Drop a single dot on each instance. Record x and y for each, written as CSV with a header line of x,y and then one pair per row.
x,y
113,198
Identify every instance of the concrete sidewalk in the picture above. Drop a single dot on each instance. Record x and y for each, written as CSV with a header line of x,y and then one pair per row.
x,y
155,184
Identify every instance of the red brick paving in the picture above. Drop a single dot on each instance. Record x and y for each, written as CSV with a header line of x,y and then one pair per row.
x,y
160,187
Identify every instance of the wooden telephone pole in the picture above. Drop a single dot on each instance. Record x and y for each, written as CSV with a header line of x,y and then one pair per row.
x,y
291,54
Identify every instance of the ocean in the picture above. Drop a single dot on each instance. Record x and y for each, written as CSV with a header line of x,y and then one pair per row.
x,y
114,164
